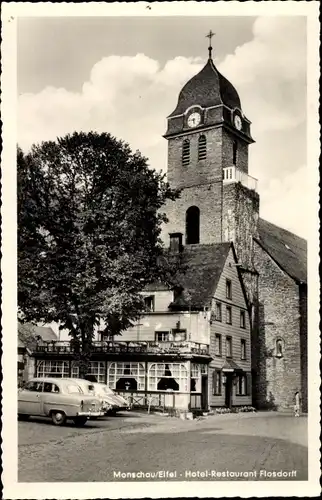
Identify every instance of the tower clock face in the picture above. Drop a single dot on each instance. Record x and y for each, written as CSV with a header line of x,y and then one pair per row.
x,y
238,122
194,120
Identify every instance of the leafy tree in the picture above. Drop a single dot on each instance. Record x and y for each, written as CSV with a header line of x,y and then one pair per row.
x,y
26,335
89,225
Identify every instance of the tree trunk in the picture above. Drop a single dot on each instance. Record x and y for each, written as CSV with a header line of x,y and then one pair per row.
x,y
81,345
84,367
86,350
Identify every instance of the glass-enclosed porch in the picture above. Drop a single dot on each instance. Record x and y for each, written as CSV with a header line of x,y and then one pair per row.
x,y
175,384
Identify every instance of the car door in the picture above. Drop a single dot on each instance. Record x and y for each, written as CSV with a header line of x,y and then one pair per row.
x,y
51,397
29,398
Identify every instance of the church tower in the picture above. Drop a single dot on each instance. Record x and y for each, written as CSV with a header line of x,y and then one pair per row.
x,y
208,138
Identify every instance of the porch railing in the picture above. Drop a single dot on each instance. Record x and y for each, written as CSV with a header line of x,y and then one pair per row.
x,y
139,347
162,400
233,174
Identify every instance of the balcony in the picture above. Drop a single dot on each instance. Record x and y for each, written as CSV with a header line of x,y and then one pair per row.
x,y
233,174
135,347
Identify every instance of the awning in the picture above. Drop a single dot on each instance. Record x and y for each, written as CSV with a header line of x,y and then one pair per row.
x,y
230,366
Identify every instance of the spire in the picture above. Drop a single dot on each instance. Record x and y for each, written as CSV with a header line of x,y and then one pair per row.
x,y
210,35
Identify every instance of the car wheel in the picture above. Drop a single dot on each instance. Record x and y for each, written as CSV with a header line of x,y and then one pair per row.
x,y
22,416
58,417
80,421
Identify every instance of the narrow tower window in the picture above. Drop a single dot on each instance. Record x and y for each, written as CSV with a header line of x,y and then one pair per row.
x,y
202,147
186,152
234,152
192,225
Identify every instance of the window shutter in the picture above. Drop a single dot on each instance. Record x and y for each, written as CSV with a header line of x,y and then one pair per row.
x,y
248,384
202,148
214,382
186,152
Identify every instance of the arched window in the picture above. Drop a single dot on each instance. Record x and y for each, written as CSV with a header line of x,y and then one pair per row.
x,y
202,147
234,152
186,152
162,376
192,225
96,368
56,369
279,348
126,376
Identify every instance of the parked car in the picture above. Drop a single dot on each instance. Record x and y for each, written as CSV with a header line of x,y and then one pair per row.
x,y
121,403
89,388
118,402
111,402
57,398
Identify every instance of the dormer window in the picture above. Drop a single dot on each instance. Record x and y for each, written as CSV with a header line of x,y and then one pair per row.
x,y
202,147
186,152
179,334
149,303
162,336
177,292
176,335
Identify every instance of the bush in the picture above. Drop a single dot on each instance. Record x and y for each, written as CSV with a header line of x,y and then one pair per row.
x,y
244,409
236,409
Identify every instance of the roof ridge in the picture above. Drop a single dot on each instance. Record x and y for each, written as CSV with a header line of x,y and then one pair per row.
x,y
283,229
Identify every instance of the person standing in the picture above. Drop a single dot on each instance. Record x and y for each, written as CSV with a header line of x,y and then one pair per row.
x,y
297,404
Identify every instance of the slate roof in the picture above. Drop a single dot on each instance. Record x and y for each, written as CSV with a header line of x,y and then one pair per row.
x,y
45,332
288,250
207,88
25,339
202,267
156,287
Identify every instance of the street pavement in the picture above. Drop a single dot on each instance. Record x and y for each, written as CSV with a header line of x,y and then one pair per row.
x,y
182,450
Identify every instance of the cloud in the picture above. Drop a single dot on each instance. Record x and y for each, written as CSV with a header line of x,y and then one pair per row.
x,y
270,73
130,97
126,96
285,202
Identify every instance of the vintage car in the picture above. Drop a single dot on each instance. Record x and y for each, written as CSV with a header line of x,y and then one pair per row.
x,y
111,402
88,388
57,398
120,403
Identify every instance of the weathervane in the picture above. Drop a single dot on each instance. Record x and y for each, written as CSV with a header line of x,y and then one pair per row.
x,y
210,35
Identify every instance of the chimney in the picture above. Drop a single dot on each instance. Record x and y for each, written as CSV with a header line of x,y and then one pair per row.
x,y
176,243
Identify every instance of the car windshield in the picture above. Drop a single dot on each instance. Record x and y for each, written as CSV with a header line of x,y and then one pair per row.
x,y
73,389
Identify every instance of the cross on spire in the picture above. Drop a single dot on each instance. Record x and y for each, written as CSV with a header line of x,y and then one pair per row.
x,y
210,35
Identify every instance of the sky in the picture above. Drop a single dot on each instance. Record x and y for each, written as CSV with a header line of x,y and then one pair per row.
x,y
123,74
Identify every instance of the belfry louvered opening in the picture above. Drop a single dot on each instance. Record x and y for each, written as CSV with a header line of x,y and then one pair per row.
x,y
202,147
186,152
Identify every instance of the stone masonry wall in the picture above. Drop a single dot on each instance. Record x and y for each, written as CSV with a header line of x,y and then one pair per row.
x,y
240,218
208,199
277,378
227,152
303,341
198,171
